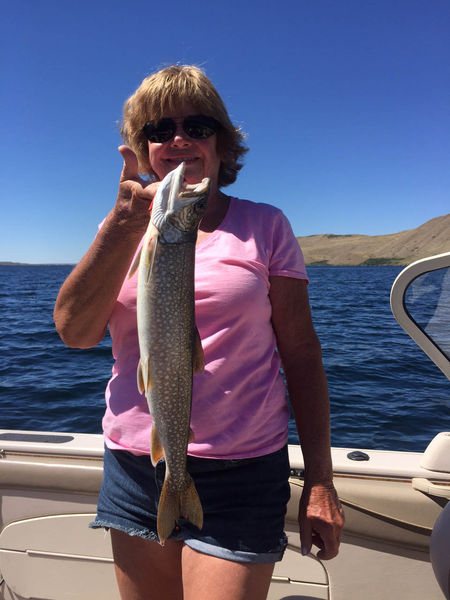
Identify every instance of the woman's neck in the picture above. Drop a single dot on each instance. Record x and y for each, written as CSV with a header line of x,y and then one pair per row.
x,y
216,210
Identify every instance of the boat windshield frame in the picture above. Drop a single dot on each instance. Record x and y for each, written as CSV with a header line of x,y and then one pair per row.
x,y
403,316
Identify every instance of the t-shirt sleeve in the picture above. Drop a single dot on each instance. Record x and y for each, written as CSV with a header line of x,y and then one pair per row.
x,y
287,258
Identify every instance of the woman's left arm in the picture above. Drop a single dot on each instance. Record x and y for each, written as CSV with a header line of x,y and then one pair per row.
x,y
321,518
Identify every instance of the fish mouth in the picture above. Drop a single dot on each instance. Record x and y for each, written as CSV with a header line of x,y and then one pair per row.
x,y
188,192
174,196
194,190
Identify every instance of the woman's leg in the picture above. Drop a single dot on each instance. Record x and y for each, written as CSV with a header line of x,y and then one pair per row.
x,y
209,578
145,570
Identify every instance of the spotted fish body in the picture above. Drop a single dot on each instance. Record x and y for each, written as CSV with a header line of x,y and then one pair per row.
x,y
170,349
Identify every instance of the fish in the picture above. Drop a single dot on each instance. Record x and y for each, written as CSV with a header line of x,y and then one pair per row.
x,y
169,343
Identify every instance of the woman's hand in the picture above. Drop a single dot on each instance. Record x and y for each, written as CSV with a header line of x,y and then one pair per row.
x,y
135,195
321,519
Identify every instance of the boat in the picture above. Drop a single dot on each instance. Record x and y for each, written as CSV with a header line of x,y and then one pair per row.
x,y
396,503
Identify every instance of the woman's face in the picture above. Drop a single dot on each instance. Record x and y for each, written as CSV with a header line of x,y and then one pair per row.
x,y
199,155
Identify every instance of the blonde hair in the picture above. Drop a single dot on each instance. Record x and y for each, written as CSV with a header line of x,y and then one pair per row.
x,y
170,89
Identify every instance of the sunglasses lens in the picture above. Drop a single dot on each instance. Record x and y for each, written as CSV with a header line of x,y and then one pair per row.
x,y
200,127
161,131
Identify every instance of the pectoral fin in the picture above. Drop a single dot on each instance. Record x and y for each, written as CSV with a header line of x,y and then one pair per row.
x,y
152,240
152,243
198,357
135,264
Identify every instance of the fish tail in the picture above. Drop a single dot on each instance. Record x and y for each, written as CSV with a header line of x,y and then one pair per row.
x,y
175,504
191,507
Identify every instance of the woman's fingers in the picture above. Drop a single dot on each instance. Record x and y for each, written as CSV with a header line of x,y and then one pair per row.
x,y
321,520
130,169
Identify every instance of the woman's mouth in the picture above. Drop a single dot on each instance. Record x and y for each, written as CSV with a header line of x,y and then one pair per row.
x,y
176,160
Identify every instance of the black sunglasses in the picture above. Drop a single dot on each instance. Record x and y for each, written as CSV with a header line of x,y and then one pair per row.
x,y
198,127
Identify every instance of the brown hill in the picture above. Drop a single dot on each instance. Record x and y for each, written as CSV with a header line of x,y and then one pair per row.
x,y
433,237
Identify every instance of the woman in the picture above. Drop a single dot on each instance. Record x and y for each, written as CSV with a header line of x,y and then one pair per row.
x,y
251,296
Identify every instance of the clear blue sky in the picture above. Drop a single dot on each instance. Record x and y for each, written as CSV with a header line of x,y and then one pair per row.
x,y
346,105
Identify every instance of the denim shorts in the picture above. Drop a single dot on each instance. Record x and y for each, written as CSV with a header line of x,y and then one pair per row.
x,y
244,503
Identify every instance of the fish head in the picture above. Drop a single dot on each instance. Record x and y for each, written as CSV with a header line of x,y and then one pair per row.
x,y
177,207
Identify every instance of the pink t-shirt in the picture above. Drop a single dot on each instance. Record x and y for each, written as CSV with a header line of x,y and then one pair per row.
x,y
239,406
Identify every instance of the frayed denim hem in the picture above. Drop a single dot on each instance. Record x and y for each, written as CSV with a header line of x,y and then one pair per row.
x,y
146,534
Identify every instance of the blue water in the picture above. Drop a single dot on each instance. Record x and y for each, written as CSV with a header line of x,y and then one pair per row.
x,y
384,392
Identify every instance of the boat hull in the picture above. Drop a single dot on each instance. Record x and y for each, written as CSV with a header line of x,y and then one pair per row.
x,y
48,492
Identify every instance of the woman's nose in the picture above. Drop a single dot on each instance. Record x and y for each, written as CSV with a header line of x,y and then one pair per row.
x,y
180,138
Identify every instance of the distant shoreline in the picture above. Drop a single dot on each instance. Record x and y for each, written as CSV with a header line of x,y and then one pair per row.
x,y
394,249
356,250
368,264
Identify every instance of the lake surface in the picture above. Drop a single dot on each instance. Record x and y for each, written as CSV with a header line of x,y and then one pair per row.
x,y
385,393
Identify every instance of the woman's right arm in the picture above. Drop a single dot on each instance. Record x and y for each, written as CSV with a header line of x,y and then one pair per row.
x,y
87,297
